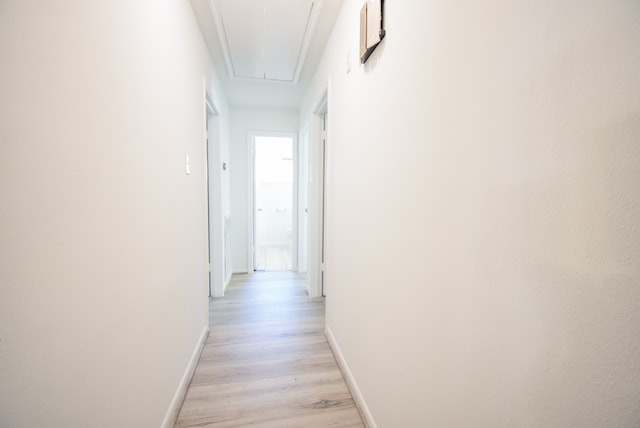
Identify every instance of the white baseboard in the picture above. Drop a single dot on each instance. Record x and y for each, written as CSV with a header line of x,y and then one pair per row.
x,y
183,386
226,284
351,382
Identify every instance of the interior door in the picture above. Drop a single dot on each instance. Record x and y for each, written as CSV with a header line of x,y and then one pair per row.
x,y
207,172
303,198
323,208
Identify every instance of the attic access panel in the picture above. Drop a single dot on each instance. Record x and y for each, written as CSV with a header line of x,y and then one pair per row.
x,y
265,39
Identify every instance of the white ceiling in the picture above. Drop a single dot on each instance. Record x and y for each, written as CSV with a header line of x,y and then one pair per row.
x,y
266,51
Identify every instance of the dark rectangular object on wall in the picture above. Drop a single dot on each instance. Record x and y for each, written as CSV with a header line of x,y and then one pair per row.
x,y
371,27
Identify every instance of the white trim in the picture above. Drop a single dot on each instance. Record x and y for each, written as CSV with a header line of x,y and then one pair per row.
x,y
208,105
226,284
303,171
365,413
316,7
315,207
211,109
295,205
316,195
178,398
213,166
251,202
222,37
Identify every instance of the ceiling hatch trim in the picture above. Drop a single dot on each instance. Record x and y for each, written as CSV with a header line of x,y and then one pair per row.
x,y
265,40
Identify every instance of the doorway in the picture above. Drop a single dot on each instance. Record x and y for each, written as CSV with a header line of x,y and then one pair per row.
x,y
323,206
273,203
318,161
217,252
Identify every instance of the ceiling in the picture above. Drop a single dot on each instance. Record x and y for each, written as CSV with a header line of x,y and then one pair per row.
x,y
266,51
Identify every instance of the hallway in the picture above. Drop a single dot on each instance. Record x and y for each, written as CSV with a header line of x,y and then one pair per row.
x,y
266,362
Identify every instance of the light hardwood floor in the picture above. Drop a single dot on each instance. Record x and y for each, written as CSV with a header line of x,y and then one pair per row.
x,y
267,362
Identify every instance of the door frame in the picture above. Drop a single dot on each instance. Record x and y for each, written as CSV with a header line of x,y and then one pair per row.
x,y
318,201
210,111
251,191
303,199
216,233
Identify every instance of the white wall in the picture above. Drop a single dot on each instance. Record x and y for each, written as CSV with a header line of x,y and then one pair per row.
x,y
483,252
243,121
274,222
103,255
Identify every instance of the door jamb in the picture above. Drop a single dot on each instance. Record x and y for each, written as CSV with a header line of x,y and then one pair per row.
x,y
317,192
213,201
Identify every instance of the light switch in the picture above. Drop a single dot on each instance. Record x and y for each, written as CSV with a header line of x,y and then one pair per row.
x,y
187,166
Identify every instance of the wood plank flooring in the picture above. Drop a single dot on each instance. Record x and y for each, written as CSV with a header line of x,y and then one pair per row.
x,y
267,362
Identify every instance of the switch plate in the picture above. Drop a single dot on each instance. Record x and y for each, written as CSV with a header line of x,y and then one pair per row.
x,y
187,166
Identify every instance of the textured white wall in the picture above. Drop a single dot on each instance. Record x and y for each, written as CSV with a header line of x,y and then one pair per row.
x,y
243,121
102,262
483,241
